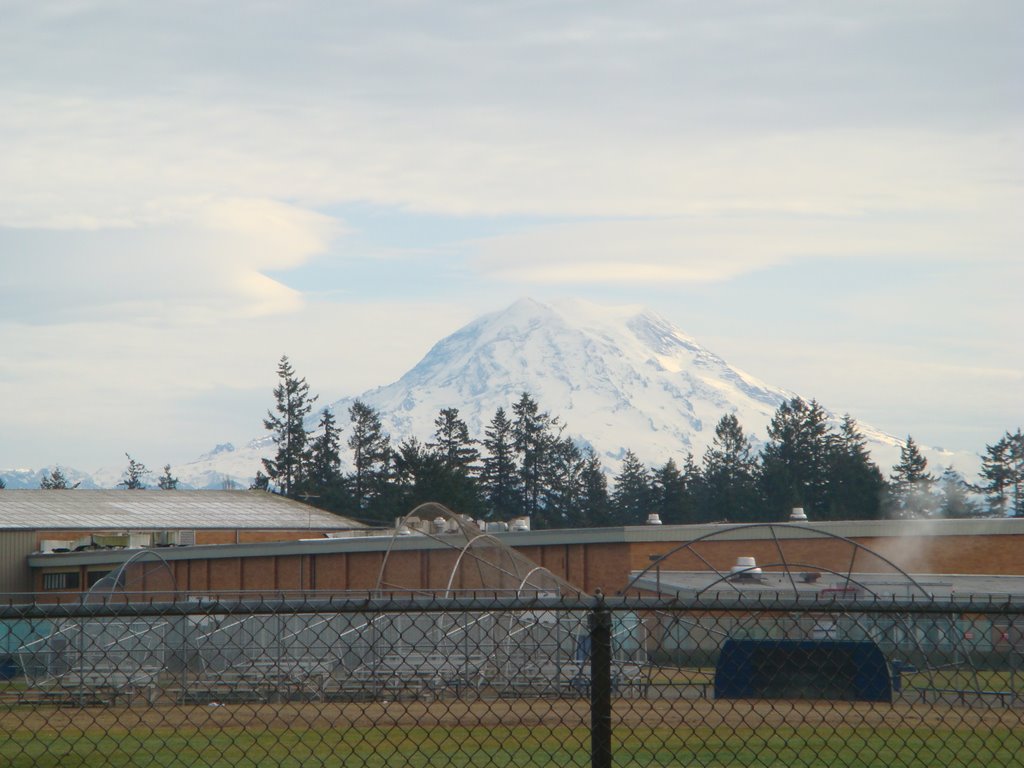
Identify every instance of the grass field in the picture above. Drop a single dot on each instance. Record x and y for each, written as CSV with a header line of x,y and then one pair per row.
x,y
705,734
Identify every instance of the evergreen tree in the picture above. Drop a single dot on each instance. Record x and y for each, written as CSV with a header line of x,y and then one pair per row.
x,y
730,481
562,487
134,475
670,499
594,504
534,433
795,461
631,497
910,489
325,486
287,425
996,472
325,454
371,456
453,445
500,473
57,481
1002,470
421,474
3,484
166,481
1016,455
954,495
857,483
697,508
260,483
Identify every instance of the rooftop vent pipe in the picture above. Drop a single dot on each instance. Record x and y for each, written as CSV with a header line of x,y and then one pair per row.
x,y
745,568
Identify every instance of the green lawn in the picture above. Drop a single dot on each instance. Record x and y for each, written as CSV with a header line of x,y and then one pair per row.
x,y
520,746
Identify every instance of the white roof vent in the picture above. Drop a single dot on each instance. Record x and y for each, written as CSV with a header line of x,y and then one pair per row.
x,y
654,519
745,568
797,515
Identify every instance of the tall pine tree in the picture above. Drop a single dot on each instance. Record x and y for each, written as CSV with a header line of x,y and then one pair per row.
x,y
795,461
594,503
133,476
534,433
500,473
453,445
632,494
287,425
730,479
911,485
857,483
955,495
670,499
422,475
167,481
1002,473
1016,455
371,456
563,486
57,481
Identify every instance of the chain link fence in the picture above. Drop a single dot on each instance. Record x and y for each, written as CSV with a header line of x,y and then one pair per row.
x,y
511,680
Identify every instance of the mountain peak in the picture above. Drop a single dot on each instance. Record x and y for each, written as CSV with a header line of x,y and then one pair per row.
x,y
619,378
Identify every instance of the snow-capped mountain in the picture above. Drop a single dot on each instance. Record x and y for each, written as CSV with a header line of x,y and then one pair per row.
x,y
618,378
31,478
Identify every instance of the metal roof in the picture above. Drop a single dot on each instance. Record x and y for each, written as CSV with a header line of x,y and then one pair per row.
x,y
163,510
887,585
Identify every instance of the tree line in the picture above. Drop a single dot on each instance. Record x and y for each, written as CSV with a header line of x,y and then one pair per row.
x,y
525,465
133,478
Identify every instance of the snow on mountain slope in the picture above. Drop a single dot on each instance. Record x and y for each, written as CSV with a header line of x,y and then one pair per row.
x,y
618,378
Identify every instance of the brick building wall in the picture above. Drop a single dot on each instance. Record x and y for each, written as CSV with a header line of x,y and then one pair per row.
x,y
355,565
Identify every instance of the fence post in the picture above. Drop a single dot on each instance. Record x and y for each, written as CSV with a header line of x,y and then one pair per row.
x,y
601,685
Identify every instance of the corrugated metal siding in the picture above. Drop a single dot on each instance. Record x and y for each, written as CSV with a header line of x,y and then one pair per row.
x,y
15,547
146,510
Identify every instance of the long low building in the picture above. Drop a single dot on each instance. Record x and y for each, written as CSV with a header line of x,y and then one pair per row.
x,y
253,541
116,524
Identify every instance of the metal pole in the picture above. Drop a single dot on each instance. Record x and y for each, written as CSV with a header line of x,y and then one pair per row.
x,y
601,685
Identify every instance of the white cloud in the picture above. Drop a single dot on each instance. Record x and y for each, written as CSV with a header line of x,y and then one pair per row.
x,y
165,164
721,246
88,391
206,264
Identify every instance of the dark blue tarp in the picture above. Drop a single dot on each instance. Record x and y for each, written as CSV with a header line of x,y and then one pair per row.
x,y
802,669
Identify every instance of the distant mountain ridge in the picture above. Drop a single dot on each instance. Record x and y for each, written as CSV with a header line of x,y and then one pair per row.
x,y
618,378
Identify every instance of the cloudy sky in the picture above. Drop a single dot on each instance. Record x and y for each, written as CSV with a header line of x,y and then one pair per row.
x,y
829,195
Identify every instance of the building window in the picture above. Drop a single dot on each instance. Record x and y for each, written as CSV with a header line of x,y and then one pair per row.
x,y
93,576
65,580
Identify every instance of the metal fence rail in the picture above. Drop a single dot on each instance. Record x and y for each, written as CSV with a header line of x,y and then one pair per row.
x,y
512,679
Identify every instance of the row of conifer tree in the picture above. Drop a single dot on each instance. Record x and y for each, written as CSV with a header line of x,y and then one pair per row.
x,y
523,464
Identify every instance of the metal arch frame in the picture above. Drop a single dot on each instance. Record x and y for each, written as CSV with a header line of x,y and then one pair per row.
x,y
508,563
857,547
464,550
131,560
443,512
526,578
88,596
472,535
